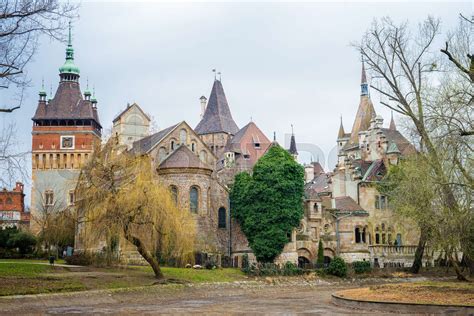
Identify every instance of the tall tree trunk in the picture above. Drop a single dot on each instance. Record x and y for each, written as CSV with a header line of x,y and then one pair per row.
x,y
420,249
146,255
457,269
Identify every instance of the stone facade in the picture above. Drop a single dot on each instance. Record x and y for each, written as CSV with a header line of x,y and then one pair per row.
x,y
131,125
344,208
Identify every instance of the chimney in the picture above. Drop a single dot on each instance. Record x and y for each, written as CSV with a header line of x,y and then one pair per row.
x,y
19,187
203,105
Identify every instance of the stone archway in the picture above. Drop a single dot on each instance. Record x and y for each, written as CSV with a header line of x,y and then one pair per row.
x,y
304,257
328,256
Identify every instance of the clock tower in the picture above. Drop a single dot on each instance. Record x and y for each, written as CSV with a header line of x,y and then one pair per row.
x,y
66,129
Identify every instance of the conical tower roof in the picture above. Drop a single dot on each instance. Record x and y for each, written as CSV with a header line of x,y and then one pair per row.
x,y
217,118
341,133
365,112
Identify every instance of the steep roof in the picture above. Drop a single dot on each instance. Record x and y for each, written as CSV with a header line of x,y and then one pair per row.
x,y
320,184
66,104
394,136
183,157
346,203
145,144
217,117
128,107
375,172
293,149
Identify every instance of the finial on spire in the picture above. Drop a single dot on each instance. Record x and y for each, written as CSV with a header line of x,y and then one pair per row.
x,y
274,136
292,132
70,34
214,71
364,87
220,75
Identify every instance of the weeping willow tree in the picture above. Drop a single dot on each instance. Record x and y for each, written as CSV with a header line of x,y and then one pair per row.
x,y
117,196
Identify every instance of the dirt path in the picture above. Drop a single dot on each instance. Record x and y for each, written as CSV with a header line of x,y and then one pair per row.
x,y
232,298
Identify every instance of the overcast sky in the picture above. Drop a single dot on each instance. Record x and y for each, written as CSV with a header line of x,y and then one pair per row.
x,y
281,63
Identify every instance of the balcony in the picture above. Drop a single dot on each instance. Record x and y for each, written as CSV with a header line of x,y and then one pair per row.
x,y
388,250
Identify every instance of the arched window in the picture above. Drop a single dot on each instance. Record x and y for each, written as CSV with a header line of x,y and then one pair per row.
x,y
161,154
222,218
172,145
194,199
193,147
183,135
174,193
203,155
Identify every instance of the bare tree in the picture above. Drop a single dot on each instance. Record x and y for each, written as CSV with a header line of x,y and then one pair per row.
x,y
55,219
12,160
22,22
403,62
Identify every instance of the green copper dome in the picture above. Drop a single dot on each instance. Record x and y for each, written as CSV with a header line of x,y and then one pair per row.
x,y
69,67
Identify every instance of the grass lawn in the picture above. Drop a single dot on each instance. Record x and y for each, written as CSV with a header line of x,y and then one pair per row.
x,y
25,277
428,292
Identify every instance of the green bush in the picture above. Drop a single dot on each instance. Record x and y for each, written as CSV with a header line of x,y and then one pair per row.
x,y
337,267
361,266
24,241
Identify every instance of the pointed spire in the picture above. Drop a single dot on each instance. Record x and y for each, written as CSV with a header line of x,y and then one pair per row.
x,y
69,71
217,118
364,87
392,126
293,149
274,136
341,130
365,112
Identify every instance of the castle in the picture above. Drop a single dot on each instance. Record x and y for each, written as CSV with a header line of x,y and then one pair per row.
x,y
342,208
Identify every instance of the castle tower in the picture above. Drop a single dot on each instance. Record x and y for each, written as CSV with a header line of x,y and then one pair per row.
x,y
217,125
66,130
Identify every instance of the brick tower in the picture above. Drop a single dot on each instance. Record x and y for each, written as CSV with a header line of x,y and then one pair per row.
x,y
66,130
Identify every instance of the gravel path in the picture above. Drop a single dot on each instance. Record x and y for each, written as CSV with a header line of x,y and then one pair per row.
x,y
229,298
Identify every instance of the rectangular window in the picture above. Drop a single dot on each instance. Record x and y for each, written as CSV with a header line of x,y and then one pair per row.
x,y
71,198
48,197
383,202
377,202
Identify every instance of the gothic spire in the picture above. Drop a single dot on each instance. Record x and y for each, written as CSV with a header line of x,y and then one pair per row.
x,y
392,126
365,112
341,130
292,149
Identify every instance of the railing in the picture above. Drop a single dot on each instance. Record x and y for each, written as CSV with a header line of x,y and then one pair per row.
x,y
392,250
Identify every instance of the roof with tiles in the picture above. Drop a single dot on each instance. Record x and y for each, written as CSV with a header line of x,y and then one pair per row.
x,y
217,116
66,104
128,107
346,203
183,157
145,144
319,185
